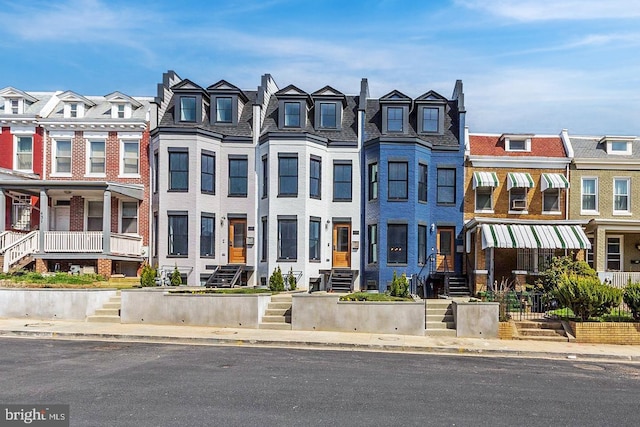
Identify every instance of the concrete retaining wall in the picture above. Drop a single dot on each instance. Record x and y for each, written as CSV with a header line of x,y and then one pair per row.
x,y
312,312
476,319
50,304
164,308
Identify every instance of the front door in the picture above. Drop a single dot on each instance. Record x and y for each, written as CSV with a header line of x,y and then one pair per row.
x,y
237,241
445,241
342,245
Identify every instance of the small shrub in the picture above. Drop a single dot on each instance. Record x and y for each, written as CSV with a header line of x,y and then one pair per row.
x,y
291,280
586,296
631,297
399,286
276,281
558,268
147,276
176,279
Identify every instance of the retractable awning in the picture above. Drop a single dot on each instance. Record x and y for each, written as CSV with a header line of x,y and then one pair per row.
x,y
521,236
553,180
485,179
519,180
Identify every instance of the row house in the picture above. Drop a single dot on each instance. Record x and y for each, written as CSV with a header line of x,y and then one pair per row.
x,y
605,176
413,164
516,207
77,197
244,182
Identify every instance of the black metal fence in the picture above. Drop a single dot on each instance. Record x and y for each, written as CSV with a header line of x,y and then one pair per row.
x,y
525,305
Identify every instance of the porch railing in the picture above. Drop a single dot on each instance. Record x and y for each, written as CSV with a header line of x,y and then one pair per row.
x,y
73,241
124,244
8,238
620,279
19,249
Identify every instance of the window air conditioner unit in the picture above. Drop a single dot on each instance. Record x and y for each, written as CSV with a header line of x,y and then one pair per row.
x,y
519,204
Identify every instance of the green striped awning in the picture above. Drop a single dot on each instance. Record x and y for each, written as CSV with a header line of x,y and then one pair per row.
x,y
554,180
519,180
485,179
522,236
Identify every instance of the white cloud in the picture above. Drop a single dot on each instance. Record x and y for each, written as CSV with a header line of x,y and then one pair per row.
x,y
547,10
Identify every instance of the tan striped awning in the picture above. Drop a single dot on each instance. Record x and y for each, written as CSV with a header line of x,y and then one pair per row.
x,y
523,236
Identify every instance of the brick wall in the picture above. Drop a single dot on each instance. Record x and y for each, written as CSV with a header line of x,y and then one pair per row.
x,y
606,332
76,214
41,266
501,195
104,267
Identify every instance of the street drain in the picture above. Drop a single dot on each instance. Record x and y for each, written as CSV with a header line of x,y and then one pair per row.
x,y
35,325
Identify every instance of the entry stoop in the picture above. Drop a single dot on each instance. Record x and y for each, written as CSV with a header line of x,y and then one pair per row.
x,y
541,330
439,318
110,311
278,313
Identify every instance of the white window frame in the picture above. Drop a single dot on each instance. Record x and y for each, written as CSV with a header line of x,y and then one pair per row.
x,y
589,211
88,159
526,199
19,106
475,206
86,213
116,110
121,216
124,174
15,151
527,144
54,157
547,193
68,110
625,152
621,253
626,211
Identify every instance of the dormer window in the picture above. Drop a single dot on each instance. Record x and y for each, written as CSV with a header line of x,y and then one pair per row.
x,y
395,119
120,111
224,110
73,110
328,115
15,101
517,143
15,106
292,114
227,103
188,108
618,145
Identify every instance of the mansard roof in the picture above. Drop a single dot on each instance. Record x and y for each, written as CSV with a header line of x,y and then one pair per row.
x,y
594,147
494,145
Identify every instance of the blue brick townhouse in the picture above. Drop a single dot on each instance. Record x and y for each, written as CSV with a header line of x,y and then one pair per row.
x,y
412,193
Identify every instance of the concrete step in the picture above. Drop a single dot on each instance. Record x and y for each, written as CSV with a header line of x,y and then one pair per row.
x,y
111,304
533,338
279,305
535,332
275,326
281,298
441,332
107,312
276,319
439,311
104,319
541,324
276,311
440,325
438,304
439,318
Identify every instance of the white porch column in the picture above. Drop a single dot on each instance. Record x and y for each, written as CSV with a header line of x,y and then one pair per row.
x,y
44,217
3,211
106,223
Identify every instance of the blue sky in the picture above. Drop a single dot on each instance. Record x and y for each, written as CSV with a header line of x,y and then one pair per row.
x,y
527,65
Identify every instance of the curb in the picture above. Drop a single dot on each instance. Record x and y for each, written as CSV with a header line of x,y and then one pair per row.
x,y
459,351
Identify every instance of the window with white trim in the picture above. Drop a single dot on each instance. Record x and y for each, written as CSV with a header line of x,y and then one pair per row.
x,y
24,153
94,215
15,106
614,253
518,199
62,153
96,157
551,200
621,195
484,199
129,218
130,150
589,196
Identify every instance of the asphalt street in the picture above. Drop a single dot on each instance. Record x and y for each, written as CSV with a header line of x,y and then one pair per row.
x,y
140,384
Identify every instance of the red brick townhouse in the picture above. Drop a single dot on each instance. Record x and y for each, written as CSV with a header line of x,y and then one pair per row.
x,y
82,163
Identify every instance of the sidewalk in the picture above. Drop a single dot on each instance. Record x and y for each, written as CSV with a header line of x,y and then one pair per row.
x,y
198,335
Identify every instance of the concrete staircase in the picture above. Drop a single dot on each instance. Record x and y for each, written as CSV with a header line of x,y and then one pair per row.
x,y
439,318
110,311
278,313
541,330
